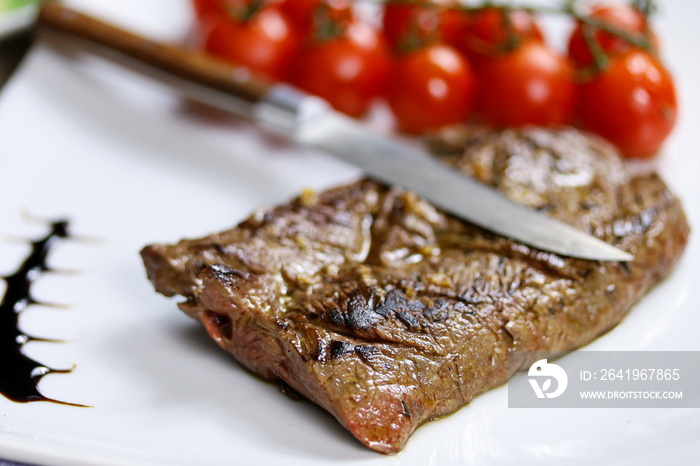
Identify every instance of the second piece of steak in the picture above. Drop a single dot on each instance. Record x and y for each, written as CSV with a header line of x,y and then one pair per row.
x,y
389,313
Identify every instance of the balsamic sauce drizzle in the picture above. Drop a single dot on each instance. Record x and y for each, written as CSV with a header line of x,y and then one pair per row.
x,y
19,374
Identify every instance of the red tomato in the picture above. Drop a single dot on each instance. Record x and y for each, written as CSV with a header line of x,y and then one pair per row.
x,y
622,16
452,24
531,85
302,12
433,89
267,43
482,36
632,103
204,8
348,71
409,20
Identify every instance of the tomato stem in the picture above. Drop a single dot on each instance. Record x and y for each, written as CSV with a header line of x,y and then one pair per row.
x,y
599,58
326,28
568,8
593,25
245,11
414,40
640,41
645,7
512,41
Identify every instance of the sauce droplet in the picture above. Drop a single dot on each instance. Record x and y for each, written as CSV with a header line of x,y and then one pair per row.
x,y
19,374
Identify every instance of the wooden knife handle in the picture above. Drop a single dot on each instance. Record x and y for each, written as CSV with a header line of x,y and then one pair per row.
x,y
197,67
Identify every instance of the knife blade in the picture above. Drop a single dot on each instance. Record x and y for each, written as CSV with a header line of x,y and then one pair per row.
x,y
313,123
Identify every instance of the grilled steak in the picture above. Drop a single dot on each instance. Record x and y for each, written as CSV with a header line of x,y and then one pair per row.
x,y
388,312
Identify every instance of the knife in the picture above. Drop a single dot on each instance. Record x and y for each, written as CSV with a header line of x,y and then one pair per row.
x,y
311,122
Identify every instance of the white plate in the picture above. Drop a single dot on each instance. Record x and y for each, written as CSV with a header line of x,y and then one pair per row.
x,y
130,164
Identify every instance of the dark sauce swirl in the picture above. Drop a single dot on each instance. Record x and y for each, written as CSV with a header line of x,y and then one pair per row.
x,y
19,374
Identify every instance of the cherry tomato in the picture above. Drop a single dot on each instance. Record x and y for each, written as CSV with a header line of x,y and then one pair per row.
x,y
433,89
408,20
632,103
531,85
266,43
621,16
483,36
303,12
348,71
205,8
452,23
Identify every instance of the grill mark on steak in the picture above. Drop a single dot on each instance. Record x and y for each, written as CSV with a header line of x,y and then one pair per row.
x,y
340,348
405,409
360,315
228,274
408,319
389,313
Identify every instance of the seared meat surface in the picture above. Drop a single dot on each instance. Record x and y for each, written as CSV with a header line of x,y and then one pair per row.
x,y
389,313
